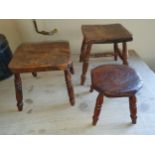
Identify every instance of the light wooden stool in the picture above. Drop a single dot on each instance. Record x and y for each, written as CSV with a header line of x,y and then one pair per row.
x,y
44,56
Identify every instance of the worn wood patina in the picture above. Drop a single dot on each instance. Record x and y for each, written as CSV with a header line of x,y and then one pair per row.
x,y
44,56
103,34
115,81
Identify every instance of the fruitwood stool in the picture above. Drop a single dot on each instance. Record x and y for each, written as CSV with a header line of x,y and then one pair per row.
x,y
115,81
43,56
103,34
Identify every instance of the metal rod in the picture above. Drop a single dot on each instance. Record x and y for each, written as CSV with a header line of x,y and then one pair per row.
x,y
43,32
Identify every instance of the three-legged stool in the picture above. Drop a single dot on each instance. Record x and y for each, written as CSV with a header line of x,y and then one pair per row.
x,y
115,81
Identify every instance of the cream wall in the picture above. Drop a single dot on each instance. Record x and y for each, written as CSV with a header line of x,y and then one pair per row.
x,y
143,32
9,29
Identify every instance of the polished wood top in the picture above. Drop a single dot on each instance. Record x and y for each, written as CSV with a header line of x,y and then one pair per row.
x,y
106,33
41,57
116,80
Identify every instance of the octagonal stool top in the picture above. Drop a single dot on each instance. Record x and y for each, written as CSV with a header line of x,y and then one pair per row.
x,y
115,80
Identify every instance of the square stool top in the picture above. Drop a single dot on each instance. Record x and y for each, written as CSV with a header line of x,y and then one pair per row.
x,y
43,56
111,33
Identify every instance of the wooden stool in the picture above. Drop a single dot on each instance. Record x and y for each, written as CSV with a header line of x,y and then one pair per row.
x,y
103,34
115,81
45,56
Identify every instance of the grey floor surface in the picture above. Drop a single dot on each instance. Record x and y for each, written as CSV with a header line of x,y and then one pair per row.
x,y
47,109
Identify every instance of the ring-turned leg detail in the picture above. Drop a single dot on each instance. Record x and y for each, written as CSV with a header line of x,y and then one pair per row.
x,y
69,86
84,71
97,109
19,94
72,68
133,109
125,53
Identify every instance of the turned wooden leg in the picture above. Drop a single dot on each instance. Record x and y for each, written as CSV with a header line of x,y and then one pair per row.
x,y
85,64
34,74
19,94
133,109
84,71
125,53
115,51
69,86
72,68
98,107
82,50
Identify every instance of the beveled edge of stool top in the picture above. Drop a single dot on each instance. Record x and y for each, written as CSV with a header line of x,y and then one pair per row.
x,y
115,80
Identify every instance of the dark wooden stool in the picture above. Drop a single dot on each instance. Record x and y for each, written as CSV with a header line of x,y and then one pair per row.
x,y
45,56
115,81
103,34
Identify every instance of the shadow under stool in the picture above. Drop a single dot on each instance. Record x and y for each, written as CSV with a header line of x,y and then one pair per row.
x,y
43,56
115,81
103,34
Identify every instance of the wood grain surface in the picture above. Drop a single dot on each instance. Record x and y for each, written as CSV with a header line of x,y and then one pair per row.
x,y
106,33
116,80
31,57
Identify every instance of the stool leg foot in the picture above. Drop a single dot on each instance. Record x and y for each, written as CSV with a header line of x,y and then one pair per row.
x,y
91,89
19,94
97,109
69,86
34,74
133,109
72,68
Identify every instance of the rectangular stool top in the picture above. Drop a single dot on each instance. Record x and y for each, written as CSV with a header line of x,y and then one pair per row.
x,y
106,33
41,57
